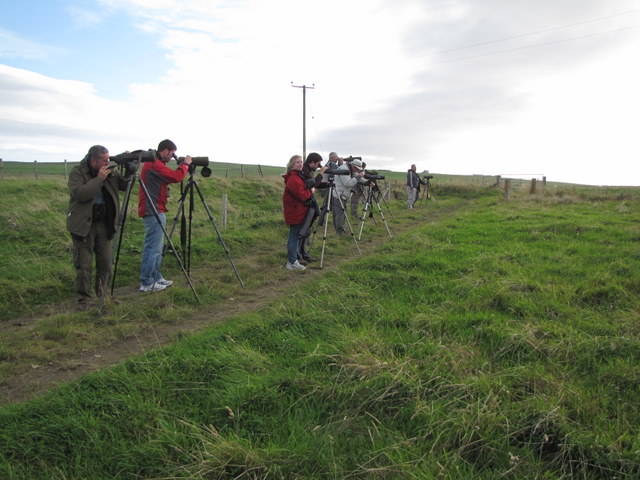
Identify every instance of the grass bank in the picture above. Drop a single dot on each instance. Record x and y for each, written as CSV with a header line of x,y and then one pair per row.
x,y
499,341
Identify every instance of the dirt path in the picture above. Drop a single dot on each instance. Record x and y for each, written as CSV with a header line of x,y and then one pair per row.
x,y
38,379
35,380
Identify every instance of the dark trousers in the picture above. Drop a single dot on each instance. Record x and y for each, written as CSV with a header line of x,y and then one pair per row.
x,y
95,244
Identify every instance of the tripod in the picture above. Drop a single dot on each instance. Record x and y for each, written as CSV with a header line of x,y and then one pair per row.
x,y
120,229
186,230
372,198
326,208
426,193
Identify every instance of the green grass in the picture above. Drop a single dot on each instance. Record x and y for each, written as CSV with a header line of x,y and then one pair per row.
x,y
485,340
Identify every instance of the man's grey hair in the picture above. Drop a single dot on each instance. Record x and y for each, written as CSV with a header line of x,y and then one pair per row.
x,y
96,151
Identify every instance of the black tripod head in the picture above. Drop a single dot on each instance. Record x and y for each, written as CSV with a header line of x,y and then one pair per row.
x,y
197,162
204,171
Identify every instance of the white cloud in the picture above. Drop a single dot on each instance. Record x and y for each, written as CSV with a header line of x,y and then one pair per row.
x,y
84,17
511,101
14,46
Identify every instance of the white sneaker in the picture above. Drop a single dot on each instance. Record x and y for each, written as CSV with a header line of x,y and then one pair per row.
x,y
295,266
165,282
156,287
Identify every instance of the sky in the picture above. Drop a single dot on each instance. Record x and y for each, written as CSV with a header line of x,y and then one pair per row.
x,y
521,88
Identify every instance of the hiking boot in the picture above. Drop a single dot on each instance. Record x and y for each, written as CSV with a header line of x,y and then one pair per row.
x,y
166,283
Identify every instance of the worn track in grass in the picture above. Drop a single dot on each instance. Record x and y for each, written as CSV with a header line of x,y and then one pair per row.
x,y
30,381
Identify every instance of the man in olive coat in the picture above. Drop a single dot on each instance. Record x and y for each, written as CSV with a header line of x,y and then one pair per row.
x,y
94,206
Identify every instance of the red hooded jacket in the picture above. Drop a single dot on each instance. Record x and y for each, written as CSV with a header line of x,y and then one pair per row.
x,y
156,175
293,198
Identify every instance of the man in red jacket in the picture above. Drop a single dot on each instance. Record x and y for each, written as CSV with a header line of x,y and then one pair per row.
x,y
156,176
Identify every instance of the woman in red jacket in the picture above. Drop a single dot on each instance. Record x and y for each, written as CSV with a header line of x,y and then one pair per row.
x,y
294,200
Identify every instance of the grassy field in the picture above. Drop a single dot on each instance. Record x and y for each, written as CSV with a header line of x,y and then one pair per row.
x,y
487,339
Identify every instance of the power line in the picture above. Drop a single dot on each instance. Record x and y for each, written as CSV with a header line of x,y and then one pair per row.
x,y
533,46
561,27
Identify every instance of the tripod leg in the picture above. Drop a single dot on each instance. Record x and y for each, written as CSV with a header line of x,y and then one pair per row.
x,y
215,227
186,231
326,208
115,255
382,216
346,217
120,228
381,196
322,217
367,204
178,216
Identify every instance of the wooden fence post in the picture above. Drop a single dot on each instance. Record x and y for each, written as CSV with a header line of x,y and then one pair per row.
x,y
65,168
533,186
241,171
224,211
260,171
507,187
227,173
544,182
35,164
1,169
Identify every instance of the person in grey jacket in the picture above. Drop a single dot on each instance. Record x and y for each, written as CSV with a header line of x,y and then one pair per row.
x,y
413,186
343,186
94,206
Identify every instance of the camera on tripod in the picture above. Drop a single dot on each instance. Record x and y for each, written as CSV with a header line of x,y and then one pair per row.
x,y
337,171
129,160
373,176
427,177
197,162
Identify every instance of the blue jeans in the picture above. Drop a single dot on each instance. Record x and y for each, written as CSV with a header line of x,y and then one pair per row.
x,y
292,243
152,251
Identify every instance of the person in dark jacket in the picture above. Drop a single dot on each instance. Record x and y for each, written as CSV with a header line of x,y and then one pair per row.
x,y
94,206
156,176
295,207
313,178
413,186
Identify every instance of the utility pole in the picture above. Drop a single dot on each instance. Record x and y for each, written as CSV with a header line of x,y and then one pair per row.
x,y
304,117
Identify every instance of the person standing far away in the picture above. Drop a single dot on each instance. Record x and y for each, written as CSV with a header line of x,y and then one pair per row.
x,y
413,186
294,205
94,206
156,177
